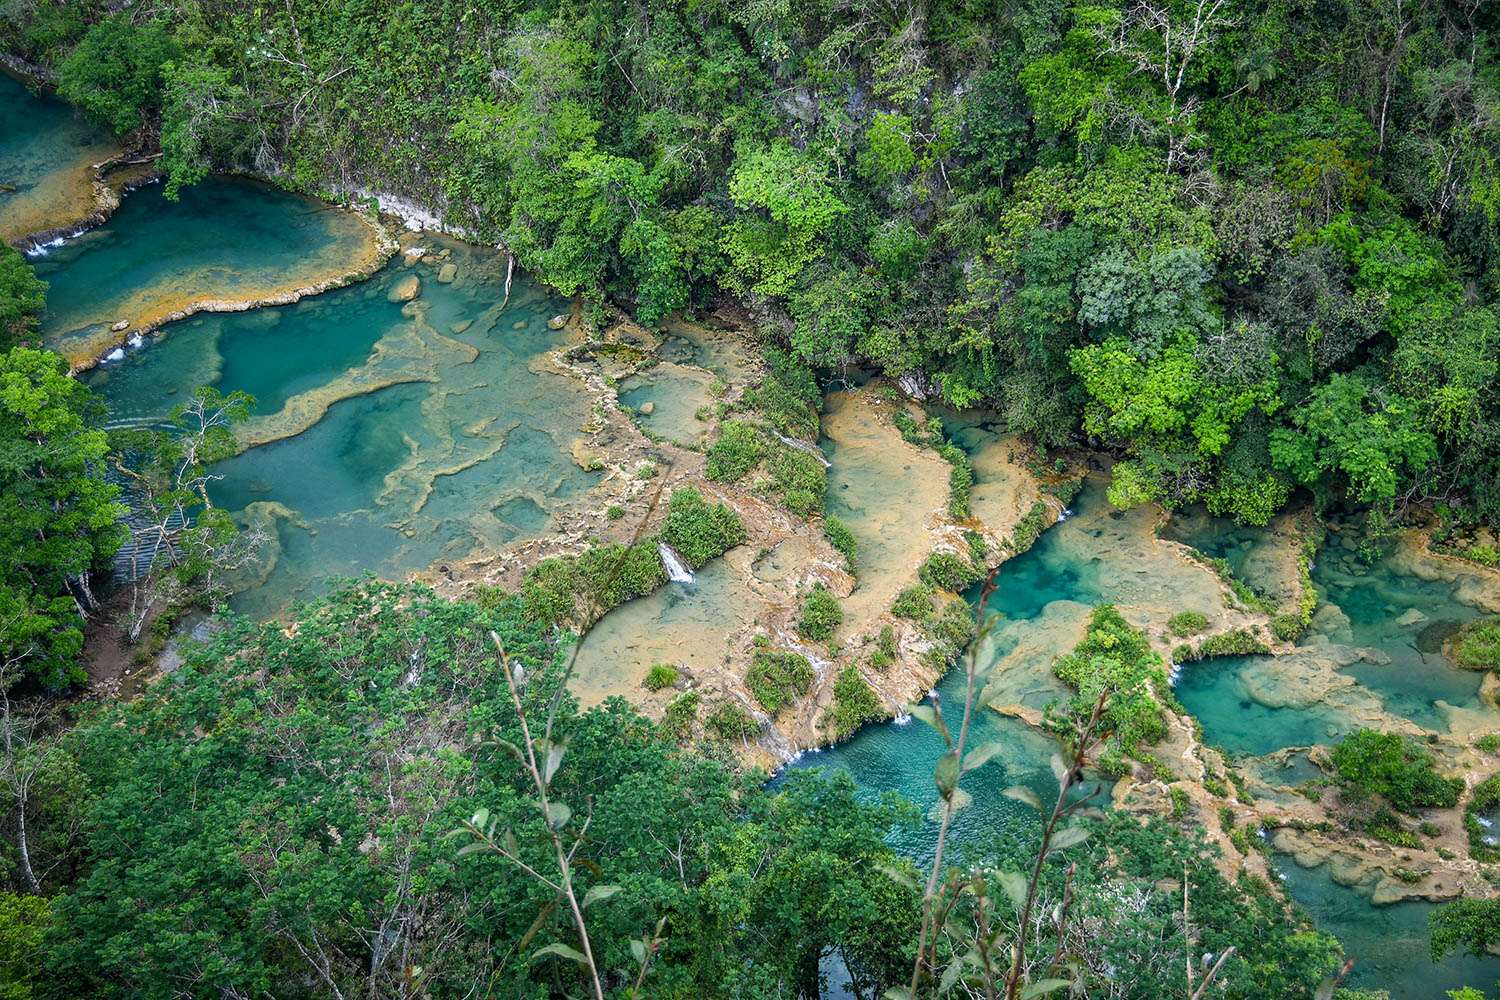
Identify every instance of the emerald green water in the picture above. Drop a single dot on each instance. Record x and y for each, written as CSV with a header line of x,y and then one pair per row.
x,y
392,442
1217,694
46,149
1389,944
224,239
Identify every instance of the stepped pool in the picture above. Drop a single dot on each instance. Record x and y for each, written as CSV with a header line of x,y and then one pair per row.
x,y
225,240
389,436
47,156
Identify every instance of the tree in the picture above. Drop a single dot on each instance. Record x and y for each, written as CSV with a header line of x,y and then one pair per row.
x,y
22,296
58,515
182,547
116,72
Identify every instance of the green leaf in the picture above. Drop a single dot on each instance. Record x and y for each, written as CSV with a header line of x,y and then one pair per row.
x,y
1069,837
957,802
1023,794
946,773
1014,884
1042,987
598,894
558,814
480,818
896,993
951,974
638,951
561,950
982,754
897,874
554,758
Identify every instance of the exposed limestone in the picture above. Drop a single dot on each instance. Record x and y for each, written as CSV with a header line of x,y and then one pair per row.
x,y
405,289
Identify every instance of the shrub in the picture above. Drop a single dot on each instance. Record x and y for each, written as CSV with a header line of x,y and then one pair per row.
x,y
885,649
854,703
960,481
915,603
1186,623
661,675
1115,659
1488,743
739,449
799,479
729,721
948,571
1387,764
907,425
1030,528
614,512
821,614
1235,642
700,530
1478,645
1486,796
842,539
677,722
776,678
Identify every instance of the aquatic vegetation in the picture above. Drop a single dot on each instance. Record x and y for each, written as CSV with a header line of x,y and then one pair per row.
x,y
949,571
821,614
1186,623
1116,663
842,539
1235,642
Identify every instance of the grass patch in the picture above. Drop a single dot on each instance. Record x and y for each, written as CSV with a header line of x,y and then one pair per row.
x,y
842,539
660,676
1186,623
1477,645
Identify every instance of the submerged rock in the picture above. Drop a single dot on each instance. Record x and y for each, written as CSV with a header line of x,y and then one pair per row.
x,y
461,325
648,408
557,322
447,273
405,289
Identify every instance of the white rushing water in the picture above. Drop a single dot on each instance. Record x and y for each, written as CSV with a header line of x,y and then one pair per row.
x,y
677,571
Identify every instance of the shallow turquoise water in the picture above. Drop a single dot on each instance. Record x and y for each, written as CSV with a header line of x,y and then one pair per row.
x,y
223,239
42,141
1375,598
467,446
1389,944
271,353
1213,691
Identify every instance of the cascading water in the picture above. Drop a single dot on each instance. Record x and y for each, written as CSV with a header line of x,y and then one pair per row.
x,y
677,570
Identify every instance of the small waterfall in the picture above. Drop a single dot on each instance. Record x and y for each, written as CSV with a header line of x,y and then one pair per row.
x,y
677,571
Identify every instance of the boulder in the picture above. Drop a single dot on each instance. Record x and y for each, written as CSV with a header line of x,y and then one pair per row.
x,y
123,324
1410,618
405,289
557,322
447,273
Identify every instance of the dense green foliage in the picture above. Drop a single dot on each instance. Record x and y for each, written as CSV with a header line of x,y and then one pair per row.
x,y
1252,261
288,793
22,295
57,514
700,530
778,677
1369,762
1116,660
1470,924
854,703
821,614
1477,645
